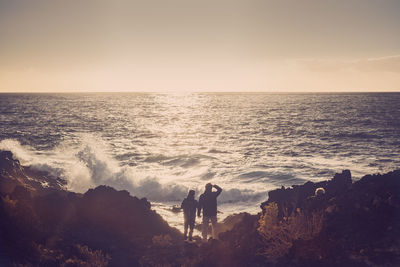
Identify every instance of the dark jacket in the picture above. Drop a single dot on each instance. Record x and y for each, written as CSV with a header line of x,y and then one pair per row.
x,y
208,202
189,207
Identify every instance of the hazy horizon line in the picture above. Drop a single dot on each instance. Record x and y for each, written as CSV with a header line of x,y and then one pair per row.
x,y
197,92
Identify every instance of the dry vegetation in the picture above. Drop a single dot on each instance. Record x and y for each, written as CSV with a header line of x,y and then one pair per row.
x,y
352,224
279,235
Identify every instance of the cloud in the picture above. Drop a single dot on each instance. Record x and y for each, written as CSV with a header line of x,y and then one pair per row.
x,y
387,64
382,64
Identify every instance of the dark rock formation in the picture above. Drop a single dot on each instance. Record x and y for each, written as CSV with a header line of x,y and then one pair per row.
x,y
359,223
351,224
12,174
299,196
51,227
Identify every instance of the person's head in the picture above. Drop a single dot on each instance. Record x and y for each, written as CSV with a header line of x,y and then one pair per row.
x,y
319,191
191,194
208,187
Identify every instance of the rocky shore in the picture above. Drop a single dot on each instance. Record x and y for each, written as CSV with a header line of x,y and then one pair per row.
x,y
350,224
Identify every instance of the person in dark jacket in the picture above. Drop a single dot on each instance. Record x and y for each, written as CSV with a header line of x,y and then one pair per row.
x,y
189,206
208,202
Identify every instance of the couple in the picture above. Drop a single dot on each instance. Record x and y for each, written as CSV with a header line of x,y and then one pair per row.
x,y
207,202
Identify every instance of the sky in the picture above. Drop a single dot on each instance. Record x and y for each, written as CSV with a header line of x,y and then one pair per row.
x,y
207,45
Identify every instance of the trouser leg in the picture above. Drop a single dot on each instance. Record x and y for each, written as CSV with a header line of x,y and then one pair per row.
x,y
205,227
214,226
191,225
186,228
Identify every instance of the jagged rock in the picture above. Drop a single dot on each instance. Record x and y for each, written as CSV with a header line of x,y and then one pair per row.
x,y
21,193
10,172
358,226
8,165
340,182
43,226
299,196
108,208
13,174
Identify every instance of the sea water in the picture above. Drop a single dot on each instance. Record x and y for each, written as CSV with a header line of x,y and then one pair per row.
x,y
159,146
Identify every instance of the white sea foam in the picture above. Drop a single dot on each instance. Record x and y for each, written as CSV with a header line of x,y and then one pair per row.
x,y
88,165
159,145
23,153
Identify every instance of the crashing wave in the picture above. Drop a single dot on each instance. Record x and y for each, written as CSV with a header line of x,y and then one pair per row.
x,y
88,165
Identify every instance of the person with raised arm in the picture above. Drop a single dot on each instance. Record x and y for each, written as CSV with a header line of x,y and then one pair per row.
x,y
208,203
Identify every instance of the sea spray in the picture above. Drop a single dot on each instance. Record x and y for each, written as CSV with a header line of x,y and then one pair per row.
x,y
88,165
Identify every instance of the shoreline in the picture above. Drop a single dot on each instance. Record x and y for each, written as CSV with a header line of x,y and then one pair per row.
x,y
352,224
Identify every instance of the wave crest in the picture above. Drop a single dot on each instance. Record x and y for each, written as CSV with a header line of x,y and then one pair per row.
x,y
87,165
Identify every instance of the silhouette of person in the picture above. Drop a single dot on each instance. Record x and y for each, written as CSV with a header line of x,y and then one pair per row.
x,y
208,202
189,206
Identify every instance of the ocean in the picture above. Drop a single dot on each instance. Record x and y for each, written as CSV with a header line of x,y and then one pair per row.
x,y
159,146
